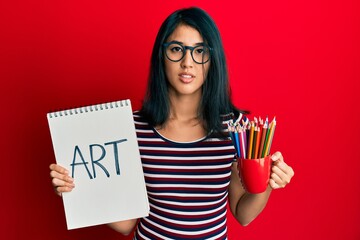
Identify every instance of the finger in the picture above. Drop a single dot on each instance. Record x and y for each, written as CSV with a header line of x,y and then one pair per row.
x,y
58,168
58,193
277,156
290,171
60,183
66,178
273,184
285,178
277,179
61,190
285,168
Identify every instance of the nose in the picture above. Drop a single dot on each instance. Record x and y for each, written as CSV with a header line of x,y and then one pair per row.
x,y
187,60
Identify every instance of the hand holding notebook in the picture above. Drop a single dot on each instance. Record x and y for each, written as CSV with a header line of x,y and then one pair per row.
x,y
98,145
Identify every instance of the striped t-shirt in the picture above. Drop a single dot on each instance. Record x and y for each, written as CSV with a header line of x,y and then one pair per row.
x,y
187,185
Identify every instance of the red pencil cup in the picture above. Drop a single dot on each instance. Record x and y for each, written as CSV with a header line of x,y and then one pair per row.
x,y
254,173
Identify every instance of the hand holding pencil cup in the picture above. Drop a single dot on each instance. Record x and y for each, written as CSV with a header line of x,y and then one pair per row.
x,y
252,141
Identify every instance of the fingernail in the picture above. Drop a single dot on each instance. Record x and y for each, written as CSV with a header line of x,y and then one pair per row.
x,y
274,157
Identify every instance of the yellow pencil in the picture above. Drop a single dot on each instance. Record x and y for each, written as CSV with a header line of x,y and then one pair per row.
x,y
271,134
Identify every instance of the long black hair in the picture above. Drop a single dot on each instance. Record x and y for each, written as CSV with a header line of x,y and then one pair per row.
x,y
216,99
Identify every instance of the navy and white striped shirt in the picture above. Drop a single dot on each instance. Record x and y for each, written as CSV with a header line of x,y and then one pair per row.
x,y
187,185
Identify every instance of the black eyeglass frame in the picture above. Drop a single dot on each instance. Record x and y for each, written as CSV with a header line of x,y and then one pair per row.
x,y
165,45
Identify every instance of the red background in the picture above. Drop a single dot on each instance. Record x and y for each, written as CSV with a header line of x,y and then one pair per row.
x,y
298,60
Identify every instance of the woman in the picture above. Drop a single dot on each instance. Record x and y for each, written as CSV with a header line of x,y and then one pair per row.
x,y
187,158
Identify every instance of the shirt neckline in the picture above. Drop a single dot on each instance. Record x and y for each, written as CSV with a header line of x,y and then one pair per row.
x,y
179,142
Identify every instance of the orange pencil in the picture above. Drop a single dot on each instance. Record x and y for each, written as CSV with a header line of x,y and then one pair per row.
x,y
257,145
263,137
250,142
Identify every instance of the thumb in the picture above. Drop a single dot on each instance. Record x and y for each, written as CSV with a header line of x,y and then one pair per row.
x,y
277,156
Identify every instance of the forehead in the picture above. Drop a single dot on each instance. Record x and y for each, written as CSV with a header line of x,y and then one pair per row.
x,y
185,34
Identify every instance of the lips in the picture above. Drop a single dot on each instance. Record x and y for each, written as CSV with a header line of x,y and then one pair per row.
x,y
186,77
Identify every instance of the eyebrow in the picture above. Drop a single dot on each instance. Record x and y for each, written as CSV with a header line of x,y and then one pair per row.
x,y
196,44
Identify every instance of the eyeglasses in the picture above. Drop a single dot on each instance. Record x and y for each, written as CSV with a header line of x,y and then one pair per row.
x,y
175,51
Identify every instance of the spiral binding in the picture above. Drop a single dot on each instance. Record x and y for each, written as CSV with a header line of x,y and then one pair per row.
x,y
91,108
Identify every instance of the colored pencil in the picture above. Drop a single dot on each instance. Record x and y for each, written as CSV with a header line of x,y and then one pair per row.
x,y
261,126
265,139
237,143
238,119
272,130
251,139
257,143
243,143
254,143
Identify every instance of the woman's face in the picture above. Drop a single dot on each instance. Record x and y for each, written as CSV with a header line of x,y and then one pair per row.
x,y
186,77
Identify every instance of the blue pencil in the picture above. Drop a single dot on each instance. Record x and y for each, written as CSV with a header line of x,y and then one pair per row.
x,y
237,145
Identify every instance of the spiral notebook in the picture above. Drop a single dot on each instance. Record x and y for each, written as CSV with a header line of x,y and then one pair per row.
x,y
98,146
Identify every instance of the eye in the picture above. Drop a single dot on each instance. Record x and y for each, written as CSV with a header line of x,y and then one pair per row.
x,y
176,49
199,50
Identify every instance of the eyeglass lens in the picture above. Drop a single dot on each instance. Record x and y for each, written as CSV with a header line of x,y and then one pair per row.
x,y
175,52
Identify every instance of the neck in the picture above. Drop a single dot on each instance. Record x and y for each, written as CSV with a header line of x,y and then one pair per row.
x,y
183,123
184,107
